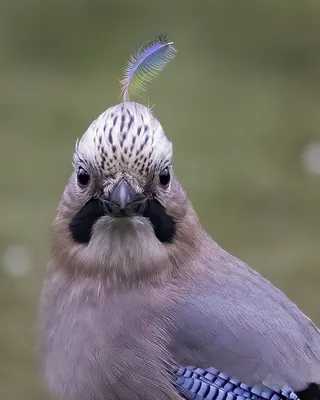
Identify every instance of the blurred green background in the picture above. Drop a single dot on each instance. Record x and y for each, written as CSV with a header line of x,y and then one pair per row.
x,y
240,102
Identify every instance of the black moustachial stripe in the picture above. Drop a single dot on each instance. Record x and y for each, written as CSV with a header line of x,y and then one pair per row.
x,y
163,224
82,223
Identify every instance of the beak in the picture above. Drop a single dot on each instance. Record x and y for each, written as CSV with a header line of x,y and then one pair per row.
x,y
123,195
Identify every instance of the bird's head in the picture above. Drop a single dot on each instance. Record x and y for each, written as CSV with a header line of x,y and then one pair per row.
x,y
123,208
123,212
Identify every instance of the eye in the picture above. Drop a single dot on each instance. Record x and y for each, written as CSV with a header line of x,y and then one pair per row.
x,y
164,176
83,177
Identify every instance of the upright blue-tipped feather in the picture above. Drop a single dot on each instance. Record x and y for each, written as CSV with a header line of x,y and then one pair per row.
x,y
147,63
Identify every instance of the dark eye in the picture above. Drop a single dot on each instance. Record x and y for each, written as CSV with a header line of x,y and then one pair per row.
x,y
83,177
164,176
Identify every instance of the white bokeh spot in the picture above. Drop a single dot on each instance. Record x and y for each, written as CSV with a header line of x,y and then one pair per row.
x,y
16,260
311,157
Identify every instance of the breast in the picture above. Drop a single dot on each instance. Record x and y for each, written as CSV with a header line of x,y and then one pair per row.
x,y
91,335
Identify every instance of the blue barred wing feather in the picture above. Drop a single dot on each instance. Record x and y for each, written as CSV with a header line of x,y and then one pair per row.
x,y
210,384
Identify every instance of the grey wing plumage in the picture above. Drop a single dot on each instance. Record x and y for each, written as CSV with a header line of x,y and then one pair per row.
x,y
235,319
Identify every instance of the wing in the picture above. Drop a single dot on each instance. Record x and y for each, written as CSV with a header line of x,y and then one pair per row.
x,y
210,384
236,320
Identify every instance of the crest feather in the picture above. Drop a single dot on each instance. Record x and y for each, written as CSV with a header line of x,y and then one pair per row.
x,y
146,64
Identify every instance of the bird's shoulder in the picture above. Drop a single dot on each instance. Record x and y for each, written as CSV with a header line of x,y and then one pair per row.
x,y
235,319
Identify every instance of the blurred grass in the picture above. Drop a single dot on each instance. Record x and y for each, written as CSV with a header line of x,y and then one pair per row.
x,y
240,102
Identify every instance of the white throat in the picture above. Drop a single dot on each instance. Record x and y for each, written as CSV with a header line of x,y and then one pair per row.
x,y
125,246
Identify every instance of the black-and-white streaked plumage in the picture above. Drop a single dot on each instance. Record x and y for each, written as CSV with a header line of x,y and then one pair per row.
x,y
126,137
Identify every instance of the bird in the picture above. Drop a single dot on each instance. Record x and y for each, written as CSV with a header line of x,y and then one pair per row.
x,y
138,301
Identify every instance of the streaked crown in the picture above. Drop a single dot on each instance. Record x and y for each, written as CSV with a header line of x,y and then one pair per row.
x,y
125,137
